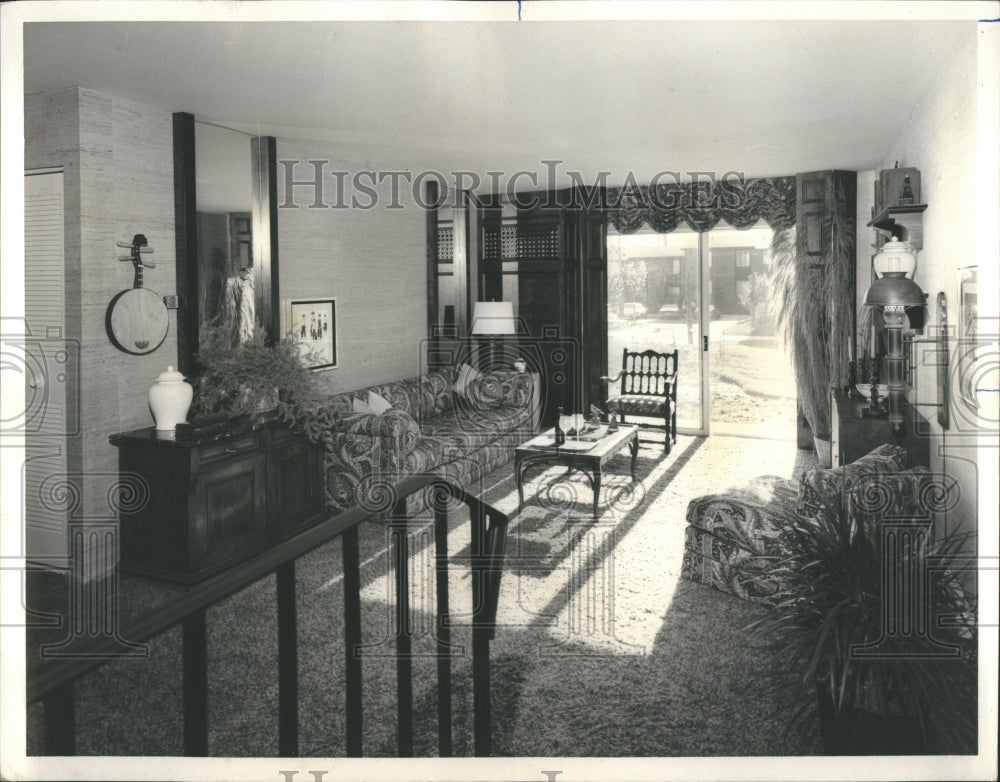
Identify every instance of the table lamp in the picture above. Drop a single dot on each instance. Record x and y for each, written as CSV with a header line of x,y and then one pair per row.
x,y
491,322
893,291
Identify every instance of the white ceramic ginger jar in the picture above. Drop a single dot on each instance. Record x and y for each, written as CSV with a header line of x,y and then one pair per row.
x,y
896,259
170,400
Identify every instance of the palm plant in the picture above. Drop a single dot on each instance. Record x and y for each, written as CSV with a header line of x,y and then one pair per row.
x,y
831,605
813,302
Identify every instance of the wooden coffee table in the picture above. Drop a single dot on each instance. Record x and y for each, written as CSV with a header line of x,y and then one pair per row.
x,y
586,455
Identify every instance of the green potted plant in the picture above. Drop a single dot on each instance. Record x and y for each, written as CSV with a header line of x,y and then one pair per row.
x,y
917,694
256,380
813,302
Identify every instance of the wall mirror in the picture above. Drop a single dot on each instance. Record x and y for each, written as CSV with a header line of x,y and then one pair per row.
x,y
226,228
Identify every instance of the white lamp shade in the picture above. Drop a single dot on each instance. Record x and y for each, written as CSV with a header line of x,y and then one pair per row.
x,y
895,259
493,318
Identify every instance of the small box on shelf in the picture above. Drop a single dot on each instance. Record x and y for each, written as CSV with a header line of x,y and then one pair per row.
x,y
897,187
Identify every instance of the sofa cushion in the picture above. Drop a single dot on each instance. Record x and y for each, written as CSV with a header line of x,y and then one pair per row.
x,y
436,390
429,453
829,489
470,430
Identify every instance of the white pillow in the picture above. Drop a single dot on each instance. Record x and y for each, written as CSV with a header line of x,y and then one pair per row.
x,y
378,403
466,375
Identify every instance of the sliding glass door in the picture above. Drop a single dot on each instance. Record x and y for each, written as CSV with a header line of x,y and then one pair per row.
x,y
751,381
708,296
655,301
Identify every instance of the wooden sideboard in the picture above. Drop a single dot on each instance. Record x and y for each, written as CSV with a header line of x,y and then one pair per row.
x,y
854,434
212,504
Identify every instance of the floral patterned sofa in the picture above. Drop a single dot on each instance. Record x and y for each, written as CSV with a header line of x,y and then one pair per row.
x,y
729,534
430,428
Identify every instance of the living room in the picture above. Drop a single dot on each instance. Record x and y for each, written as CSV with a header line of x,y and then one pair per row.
x,y
360,237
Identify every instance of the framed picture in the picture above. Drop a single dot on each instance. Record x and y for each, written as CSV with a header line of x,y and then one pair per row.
x,y
968,308
313,325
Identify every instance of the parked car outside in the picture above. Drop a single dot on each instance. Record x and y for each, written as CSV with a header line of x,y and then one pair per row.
x,y
634,309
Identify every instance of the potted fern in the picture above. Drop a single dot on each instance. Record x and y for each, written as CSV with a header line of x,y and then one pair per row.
x,y
255,380
876,687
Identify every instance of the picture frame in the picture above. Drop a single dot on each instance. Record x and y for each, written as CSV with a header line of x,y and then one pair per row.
x,y
312,323
968,309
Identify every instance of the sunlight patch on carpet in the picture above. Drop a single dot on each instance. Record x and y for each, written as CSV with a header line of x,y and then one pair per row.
x,y
603,584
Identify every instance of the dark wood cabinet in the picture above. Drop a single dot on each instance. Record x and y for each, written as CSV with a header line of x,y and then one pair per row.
x,y
547,252
856,434
210,505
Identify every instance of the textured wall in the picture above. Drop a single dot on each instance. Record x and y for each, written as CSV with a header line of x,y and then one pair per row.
x,y
117,157
939,138
372,260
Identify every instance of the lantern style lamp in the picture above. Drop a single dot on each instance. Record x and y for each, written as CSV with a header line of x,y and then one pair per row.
x,y
491,322
893,292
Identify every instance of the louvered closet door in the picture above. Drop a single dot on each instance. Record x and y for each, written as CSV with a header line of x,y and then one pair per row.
x,y
47,368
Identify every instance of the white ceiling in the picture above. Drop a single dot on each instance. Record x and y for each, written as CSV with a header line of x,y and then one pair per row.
x,y
762,97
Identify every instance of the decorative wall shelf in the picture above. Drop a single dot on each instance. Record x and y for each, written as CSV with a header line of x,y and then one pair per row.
x,y
903,222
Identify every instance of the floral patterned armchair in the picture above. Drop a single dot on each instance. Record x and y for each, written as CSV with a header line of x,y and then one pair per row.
x,y
729,534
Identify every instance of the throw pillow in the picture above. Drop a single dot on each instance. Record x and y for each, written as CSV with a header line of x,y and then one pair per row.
x,y
360,406
378,403
486,391
466,375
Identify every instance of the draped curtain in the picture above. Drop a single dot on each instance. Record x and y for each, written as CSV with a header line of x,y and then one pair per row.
x,y
701,205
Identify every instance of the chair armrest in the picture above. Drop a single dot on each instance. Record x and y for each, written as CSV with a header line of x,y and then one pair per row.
x,y
614,379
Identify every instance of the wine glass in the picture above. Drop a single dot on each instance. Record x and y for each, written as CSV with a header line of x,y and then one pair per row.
x,y
566,423
577,423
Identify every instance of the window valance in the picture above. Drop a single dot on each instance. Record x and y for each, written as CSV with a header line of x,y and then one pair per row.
x,y
702,204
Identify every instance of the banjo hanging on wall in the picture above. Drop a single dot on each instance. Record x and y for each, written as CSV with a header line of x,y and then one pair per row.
x,y
137,318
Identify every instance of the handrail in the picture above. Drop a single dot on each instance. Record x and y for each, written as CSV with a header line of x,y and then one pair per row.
x,y
48,680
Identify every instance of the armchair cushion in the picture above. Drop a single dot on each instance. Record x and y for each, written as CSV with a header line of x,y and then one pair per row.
x,y
639,405
830,488
731,535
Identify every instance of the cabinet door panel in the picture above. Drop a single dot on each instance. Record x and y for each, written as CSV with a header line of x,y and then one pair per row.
x,y
296,490
228,511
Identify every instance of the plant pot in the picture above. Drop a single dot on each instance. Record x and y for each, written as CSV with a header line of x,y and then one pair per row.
x,y
824,452
857,731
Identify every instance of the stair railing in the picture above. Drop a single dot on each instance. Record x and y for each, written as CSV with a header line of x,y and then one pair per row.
x,y
52,680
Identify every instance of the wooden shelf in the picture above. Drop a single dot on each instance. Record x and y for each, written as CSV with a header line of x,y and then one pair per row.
x,y
887,215
903,222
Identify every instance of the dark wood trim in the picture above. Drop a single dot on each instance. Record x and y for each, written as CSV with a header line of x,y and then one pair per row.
x,y
288,662
431,223
267,296
445,746
60,721
353,711
195,653
404,631
481,631
186,243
